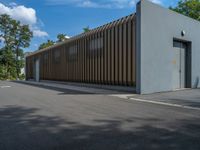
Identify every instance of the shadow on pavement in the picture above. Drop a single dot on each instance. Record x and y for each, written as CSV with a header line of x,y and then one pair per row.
x,y
63,91
69,91
23,128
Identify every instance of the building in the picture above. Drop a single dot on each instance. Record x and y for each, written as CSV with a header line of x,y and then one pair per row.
x,y
154,50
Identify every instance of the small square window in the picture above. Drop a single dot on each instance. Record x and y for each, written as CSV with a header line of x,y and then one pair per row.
x,y
95,46
72,52
46,58
57,56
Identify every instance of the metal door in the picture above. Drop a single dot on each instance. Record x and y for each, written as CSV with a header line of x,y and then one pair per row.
x,y
37,70
182,65
179,65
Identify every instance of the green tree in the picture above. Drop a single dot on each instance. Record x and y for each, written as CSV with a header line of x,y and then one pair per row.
x,y
6,54
7,63
86,29
21,39
61,37
5,30
15,37
46,44
190,8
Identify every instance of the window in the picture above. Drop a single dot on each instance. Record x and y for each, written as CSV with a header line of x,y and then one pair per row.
x,y
96,44
45,58
95,47
56,56
72,52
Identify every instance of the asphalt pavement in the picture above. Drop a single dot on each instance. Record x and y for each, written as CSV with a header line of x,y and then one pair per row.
x,y
44,118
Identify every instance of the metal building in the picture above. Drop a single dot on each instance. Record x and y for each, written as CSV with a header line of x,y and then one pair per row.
x,y
105,55
154,49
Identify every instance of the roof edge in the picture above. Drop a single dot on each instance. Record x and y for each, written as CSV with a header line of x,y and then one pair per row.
x,y
100,28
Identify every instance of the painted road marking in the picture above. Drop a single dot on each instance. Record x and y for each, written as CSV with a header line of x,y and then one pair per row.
x,y
5,86
164,103
124,96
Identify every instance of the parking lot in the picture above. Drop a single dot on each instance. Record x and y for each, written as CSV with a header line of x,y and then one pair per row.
x,y
189,98
44,118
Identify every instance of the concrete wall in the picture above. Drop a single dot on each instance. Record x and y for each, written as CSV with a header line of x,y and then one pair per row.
x,y
156,28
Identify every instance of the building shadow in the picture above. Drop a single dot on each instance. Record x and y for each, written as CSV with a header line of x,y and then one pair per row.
x,y
63,91
25,128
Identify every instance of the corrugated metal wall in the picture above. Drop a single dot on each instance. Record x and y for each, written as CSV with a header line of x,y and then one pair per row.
x,y
105,55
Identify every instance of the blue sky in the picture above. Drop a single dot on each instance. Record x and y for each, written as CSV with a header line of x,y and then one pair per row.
x,y
47,18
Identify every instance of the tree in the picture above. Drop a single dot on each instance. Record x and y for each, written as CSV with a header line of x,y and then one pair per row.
x,y
61,37
86,29
46,44
15,37
190,8
21,39
5,30
7,63
7,59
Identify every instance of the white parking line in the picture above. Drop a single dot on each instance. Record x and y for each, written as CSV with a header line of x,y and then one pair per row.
x,y
5,86
124,96
164,103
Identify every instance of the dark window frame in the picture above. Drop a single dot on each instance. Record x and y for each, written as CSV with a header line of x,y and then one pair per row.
x,y
72,52
57,56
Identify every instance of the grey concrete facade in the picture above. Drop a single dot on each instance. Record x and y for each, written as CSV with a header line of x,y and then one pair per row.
x,y
157,27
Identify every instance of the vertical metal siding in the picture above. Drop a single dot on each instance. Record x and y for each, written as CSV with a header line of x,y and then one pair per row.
x,y
105,55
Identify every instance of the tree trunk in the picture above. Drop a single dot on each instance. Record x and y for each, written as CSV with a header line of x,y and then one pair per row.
x,y
17,64
6,70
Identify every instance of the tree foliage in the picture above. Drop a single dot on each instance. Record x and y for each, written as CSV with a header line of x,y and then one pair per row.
x,y
14,37
190,8
46,44
61,37
86,29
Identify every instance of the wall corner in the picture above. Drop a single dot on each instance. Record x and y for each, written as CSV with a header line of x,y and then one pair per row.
x,y
138,48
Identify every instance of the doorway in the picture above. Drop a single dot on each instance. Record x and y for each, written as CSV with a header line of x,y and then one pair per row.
x,y
181,65
37,70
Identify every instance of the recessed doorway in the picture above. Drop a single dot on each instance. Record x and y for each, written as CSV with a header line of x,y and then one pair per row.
x,y
37,70
181,65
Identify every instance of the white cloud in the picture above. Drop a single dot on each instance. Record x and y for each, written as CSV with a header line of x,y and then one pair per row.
x,y
156,1
12,4
24,14
88,3
67,37
39,33
100,3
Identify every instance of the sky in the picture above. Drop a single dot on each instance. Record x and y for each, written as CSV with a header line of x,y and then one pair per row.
x,y
47,18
